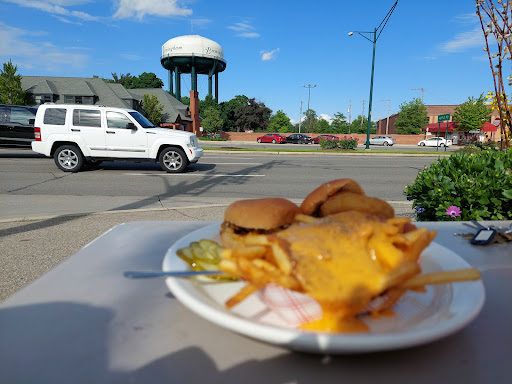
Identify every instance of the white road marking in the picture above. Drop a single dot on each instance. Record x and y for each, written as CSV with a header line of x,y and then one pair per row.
x,y
232,163
192,174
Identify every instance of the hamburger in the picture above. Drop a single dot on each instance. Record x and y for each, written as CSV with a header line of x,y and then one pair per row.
x,y
256,216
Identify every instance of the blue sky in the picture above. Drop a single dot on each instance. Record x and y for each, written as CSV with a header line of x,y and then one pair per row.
x,y
272,48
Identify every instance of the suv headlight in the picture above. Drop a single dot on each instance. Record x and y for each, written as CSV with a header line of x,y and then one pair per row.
x,y
193,142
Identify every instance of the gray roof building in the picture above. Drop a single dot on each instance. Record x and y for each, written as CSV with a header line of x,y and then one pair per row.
x,y
95,91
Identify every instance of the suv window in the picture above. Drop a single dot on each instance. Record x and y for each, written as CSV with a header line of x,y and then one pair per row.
x,y
55,116
87,118
117,120
21,116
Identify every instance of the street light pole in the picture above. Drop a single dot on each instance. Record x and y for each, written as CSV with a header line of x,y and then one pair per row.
x,y
309,86
374,38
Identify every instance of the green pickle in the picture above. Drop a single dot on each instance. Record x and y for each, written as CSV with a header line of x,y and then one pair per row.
x,y
203,255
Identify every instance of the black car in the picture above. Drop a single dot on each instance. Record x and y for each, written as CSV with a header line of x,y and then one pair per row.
x,y
16,125
299,138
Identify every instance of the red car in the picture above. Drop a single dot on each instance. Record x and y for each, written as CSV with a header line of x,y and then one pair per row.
x,y
317,139
271,138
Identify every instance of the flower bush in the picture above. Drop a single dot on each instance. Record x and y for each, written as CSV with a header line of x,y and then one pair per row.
x,y
465,186
348,142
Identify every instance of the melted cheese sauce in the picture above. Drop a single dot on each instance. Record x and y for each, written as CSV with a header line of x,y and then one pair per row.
x,y
336,263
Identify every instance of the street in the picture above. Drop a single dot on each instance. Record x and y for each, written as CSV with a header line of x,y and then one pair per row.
x,y
33,186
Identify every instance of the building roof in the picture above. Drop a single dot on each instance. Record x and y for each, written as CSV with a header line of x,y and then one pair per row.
x,y
108,94
172,107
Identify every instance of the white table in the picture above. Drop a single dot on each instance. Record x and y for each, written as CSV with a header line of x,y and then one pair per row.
x,y
83,322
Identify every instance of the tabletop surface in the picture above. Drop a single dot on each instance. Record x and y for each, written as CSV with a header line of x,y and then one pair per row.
x,y
83,322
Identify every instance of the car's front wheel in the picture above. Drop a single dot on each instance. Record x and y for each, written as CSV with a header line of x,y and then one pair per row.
x,y
68,158
273,141
422,144
442,145
173,160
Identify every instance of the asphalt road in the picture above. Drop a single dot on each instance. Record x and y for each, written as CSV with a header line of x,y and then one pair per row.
x,y
47,215
32,185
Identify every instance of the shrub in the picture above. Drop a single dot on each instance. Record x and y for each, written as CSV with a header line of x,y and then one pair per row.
x,y
348,142
328,144
464,186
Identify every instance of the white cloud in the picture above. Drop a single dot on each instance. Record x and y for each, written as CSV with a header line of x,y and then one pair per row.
x,y
15,45
244,29
326,117
140,8
269,55
57,7
464,40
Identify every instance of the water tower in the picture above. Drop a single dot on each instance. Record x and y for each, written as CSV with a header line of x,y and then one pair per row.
x,y
196,55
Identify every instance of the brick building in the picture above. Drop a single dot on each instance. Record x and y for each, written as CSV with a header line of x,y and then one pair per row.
x,y
433,111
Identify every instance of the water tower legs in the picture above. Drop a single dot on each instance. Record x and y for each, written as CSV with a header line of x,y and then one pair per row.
x,y
194,112
217,86
178,84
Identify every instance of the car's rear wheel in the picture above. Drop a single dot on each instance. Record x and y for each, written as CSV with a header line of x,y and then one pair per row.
x,y
386,143
259,140
422,144
68,158
442,145
173,160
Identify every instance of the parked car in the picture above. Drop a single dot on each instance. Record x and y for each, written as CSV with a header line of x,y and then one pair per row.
x,y
317,139
271,138
381,140
299,138
17,125
75,135
435,142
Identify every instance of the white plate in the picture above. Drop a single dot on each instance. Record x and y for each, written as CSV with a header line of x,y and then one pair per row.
x,y
420,317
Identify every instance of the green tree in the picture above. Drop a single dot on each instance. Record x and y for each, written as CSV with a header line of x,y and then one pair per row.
x,y
145,80
252,117
119,79
229,108
212,120
310,121
322,126
185,100
152,108
10,86
279,122
412,117
207,103
360,125
339,123
471,114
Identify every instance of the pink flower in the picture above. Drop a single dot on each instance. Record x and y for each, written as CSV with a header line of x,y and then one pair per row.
x,y
453,211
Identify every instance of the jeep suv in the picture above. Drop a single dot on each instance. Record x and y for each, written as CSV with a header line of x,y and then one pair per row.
x,y
75,135
16,125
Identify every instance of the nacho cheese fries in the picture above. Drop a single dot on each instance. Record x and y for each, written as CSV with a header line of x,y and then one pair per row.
x,y
340,247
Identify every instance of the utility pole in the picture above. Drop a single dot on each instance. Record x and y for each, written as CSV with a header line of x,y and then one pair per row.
x,y
362,115
309,86
387,120
422,92
349,114
300,116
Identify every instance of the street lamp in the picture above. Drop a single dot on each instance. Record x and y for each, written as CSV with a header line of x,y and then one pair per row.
x,y
309,86
373,39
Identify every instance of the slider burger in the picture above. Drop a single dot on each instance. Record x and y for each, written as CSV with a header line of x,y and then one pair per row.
x,y
343,195
256,216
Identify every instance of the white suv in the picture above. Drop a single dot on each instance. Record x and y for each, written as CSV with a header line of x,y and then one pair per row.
x,y
86,134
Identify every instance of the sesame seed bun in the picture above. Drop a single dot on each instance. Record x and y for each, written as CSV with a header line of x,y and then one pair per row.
x,y
264,214
311,204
